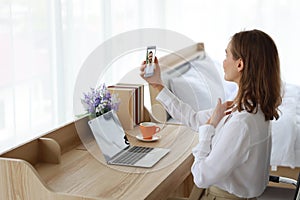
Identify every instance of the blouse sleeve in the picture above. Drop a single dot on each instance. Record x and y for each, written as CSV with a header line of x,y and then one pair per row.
x,y
181,111
231,148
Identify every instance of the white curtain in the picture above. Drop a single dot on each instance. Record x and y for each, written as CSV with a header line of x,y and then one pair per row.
x,y
44,43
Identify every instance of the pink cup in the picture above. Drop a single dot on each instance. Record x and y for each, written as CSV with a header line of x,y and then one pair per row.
x,y
148,129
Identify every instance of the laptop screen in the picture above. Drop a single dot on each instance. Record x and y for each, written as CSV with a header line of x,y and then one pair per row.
x,y
109,134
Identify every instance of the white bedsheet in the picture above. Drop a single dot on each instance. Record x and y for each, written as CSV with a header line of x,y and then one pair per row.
x,y
286,131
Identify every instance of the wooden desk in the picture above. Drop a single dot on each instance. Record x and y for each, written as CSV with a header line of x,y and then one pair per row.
x,y
58,166
81,174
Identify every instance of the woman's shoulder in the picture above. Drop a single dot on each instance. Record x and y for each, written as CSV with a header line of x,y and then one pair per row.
x,y
248,117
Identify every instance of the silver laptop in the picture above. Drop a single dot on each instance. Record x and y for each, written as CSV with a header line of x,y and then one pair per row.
x,y
115,147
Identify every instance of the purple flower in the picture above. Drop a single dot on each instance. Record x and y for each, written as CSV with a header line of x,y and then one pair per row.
x,y
99,101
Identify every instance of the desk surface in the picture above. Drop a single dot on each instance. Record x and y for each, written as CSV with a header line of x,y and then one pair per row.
x,y
84,174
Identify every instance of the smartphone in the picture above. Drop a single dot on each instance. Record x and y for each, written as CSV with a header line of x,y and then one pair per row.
x,y
150,56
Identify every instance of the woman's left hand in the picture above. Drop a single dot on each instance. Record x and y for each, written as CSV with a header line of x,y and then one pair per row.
x,y
220,111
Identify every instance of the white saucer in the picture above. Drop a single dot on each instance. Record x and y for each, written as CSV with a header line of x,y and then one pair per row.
x,y
154,138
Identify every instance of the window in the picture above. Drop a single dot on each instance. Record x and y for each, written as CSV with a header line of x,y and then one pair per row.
x,y
44,43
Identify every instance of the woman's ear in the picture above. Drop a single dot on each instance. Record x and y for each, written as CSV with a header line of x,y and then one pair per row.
x,y
240,65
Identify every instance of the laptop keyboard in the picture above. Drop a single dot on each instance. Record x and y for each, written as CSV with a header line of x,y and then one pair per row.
x,y
132,155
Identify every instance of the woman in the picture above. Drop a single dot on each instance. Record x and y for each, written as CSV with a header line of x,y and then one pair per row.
x,y
232,157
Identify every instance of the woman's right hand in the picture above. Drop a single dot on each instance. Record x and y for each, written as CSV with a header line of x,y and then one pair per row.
x,y
154,80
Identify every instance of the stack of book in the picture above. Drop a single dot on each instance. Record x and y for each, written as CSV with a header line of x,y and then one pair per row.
x,y
131,107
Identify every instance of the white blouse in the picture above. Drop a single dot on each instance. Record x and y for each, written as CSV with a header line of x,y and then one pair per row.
x,y
234,156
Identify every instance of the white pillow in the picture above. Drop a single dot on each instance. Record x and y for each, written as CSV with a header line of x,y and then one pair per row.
x,y
200,86
191,90
178,71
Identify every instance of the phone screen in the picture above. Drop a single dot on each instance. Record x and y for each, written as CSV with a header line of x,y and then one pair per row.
x,y
151,50
150,56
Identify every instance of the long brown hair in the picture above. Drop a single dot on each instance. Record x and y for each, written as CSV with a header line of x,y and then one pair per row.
x,y
260,82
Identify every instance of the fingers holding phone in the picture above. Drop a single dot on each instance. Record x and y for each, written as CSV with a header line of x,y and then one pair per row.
x,y
154,75
150,70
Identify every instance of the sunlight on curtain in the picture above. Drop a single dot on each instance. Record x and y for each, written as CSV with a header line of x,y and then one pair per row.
x,y
44,43
26,95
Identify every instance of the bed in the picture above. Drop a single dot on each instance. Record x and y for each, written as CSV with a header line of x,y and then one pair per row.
x,y
197,79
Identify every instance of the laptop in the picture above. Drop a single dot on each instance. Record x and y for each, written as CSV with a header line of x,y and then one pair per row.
x,y
115,147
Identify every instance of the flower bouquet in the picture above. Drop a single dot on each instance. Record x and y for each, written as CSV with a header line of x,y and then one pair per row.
x,y
99,101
